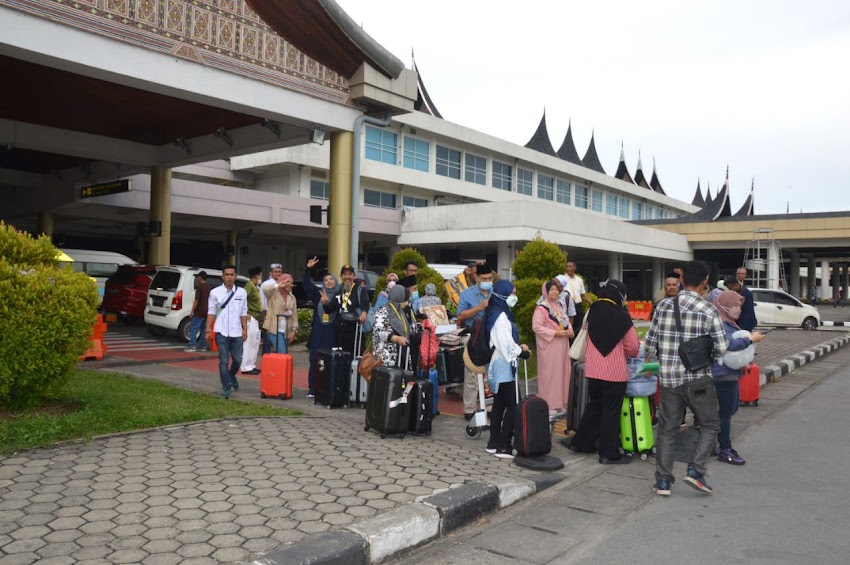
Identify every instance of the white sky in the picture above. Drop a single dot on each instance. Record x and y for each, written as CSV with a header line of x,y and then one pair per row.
x,y
761,85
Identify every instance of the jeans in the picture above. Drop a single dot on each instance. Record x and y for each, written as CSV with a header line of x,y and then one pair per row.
x,y
599,429
698,395
728,397
275,346
502,417
196,326
228,347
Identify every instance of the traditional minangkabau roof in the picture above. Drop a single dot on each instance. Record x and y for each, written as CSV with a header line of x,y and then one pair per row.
x,y
623,170
591,159
423,102
719,207
568,152
708,197
540,140
640,179
698,199
748,209
655,183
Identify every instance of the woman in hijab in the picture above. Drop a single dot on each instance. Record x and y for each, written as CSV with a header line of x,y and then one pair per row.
x,y
729,304
383,296
501,373
553,332
430,298
281,302
323,331
611,338
393,323
566,298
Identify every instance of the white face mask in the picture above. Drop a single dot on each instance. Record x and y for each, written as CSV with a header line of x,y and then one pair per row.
x,y
512,300
390,284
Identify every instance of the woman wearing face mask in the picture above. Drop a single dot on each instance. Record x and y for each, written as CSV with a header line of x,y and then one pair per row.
x,y
728,304
553,332
281,302
391,335
611,338
383,296
323,331
504,339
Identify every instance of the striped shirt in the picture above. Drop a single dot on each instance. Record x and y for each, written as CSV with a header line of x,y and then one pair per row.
x,y
612,367
699,317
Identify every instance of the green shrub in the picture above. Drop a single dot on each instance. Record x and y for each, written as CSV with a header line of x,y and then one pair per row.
x,y
528,293
539,259
52,310
305,325
426,274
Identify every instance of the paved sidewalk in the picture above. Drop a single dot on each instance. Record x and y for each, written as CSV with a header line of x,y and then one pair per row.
x,y
233,490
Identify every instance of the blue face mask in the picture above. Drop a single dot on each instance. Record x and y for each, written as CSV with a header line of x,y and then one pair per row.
x,y
486,285
414,296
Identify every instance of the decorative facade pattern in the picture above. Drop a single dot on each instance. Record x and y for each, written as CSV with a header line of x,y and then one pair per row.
x,y
224,34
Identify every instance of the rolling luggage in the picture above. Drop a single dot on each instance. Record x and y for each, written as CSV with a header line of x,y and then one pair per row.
x,y
442,368
421,407
432,376
532,434
578,396
358,388
636,426
750,385
332,377
276,376
387,409
454,365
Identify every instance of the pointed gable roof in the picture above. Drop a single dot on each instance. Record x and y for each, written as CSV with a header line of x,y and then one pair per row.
x,y
591,159
719,207
568,152
622,169
698,199
540,140
708,197
748,209
423,102
655,183
640,179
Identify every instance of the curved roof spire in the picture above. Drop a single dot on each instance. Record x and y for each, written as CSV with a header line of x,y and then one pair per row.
x,y
591,159
655,183
698,199
718,208
640,179
708,197
568,152
748,209
622,169
423,102
540,140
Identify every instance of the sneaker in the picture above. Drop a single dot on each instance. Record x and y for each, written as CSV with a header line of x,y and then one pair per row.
x,y
730,456
311,395
190,350
505,454
203,349
490,450
694,479
225,394
662,487
624,460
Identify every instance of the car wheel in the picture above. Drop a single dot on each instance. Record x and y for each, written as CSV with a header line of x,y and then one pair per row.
x,y
184,329
810,323
156,330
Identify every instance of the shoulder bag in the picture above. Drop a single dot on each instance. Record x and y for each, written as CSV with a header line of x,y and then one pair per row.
x,y
696,353
578,348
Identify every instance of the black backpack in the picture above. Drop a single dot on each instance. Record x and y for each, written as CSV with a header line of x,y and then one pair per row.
x,y
478,346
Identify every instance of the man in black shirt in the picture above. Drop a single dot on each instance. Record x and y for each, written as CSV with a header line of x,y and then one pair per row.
x,y
352,303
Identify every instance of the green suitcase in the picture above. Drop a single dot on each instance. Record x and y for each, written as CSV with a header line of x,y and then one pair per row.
x,y
636,426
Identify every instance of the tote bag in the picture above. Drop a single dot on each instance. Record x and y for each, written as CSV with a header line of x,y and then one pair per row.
x,y
579,345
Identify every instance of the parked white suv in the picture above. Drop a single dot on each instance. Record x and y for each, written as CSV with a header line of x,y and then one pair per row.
x,y
171,295
777,308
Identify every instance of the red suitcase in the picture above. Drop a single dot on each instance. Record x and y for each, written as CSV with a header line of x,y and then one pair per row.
x,y
276,376
750,385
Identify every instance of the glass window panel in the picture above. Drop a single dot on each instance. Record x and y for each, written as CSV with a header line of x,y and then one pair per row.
x,y
502,176
416,154
524,182
545,187
476,169
562,192
448,162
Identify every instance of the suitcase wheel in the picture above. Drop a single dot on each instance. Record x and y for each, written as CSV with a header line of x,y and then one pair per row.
x,y
428,433
644,456
383,435
283,396
366,428
755,403
263,395
472,432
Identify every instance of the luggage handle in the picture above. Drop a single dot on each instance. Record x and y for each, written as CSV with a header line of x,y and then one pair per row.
x,y
358,341
516,381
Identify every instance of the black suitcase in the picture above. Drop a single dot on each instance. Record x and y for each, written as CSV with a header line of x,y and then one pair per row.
x,y
421,401
384,411
578,396
332,377
532,434
455,367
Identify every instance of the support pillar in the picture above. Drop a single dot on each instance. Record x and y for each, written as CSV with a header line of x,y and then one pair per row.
x,y
812,276
46,223
773,267
657,277
160,211
794,284
836,279
232,237
505,259
615,266
339,230
844,276
824,280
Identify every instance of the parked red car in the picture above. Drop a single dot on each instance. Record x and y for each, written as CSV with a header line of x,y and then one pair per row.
x,y
126,292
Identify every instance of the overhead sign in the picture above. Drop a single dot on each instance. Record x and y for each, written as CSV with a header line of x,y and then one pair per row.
x,y
104,188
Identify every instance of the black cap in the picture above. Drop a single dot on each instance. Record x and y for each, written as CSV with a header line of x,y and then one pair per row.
x,y
346,268
254,271
483,269
202,274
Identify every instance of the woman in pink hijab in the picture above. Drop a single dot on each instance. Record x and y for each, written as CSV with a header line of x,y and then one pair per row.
x,y
552,329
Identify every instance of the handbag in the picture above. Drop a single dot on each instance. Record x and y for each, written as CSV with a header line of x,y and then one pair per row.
x,y
696,353
578,348
367,363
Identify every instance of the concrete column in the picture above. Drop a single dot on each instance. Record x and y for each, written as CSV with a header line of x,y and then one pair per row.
x,y
836,272
505,259
160,211
46,222
812,276
824,280
773,267
615,266
844,281
657,277
232,238
794,282
339,231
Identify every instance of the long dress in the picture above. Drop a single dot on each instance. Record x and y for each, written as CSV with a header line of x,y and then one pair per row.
x,y
322,335
553,361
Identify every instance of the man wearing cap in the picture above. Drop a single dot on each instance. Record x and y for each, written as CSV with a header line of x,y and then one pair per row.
x,y
252,344
471,306
199,314
352,304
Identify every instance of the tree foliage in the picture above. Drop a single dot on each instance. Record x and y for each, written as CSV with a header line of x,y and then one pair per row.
x,y
539,259
426,274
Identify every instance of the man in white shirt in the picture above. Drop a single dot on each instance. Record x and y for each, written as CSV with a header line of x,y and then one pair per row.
x,y
228,315
575,286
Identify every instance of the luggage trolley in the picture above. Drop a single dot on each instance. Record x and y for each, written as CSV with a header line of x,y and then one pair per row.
x,y
480,420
